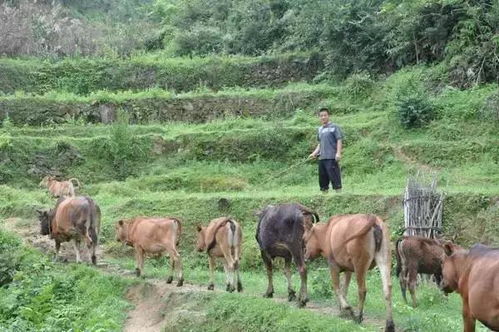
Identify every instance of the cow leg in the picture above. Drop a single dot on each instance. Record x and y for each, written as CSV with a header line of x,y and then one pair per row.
x,y
287,273
302,269
360,274
346,283
176,265
239,284
139,257
211,261
237,257
413,278
268,265
403,279
76,247
172,270
335,278
57,248
383,261
468,320
229,265
228,280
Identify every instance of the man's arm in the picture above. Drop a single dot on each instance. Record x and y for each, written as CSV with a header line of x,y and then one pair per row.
x,y
316,152
339,147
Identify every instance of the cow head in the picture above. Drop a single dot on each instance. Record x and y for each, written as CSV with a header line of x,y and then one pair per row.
x,y
451,265
46,180
200,242
121,230
45,218
312,240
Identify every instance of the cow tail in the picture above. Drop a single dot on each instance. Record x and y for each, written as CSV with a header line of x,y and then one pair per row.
x,y
232,233
178,230
371,221
398,268
94,225
75,180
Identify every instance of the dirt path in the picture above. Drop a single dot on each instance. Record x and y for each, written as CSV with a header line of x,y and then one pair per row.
x,y
156,303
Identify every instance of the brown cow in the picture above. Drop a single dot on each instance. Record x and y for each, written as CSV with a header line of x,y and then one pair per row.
x,y
280,234
60,188
418,255
353,243
222,238
73,218
152,236
474,274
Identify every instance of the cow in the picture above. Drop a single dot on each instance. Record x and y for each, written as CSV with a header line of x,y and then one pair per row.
x,y
73,218
152,235
474,274
353,243
222,238
280,234
60,188
418,255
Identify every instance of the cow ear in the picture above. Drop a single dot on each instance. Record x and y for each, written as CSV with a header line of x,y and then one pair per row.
x,y
449,249
120,222
198,228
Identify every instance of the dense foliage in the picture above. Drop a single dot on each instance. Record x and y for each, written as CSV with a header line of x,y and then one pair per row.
x,y
378,36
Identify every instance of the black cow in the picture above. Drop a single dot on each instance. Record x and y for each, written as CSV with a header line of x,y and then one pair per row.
x,y
280,234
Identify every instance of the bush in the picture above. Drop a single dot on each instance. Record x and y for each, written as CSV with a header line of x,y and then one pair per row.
x,y
123,148
414,111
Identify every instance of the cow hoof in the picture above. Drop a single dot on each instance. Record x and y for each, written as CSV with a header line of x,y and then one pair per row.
x,y
359,318
137,272
180,283
239,287
94,260
211,287
230,288
390,327
169,280
269,295
291,296
302,303
347,312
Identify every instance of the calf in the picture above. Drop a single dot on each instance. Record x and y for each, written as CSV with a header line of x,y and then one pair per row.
x,y
418,255
73,218
280,234
152,236
474,274
222,238
60,188
354,243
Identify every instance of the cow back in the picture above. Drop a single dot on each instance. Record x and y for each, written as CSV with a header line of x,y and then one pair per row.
x,y
281,224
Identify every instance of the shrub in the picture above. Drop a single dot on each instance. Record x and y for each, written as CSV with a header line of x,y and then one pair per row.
x,y
414,111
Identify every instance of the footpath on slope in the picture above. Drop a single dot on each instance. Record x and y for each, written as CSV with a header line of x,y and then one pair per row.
x,y
157,304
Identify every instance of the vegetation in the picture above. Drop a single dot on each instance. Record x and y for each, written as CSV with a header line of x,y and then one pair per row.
x,y
164,107
38,295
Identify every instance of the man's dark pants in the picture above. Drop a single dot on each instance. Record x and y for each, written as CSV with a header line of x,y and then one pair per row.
x,y
329,171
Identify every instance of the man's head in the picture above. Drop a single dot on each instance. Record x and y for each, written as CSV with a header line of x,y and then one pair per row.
x,y
324,115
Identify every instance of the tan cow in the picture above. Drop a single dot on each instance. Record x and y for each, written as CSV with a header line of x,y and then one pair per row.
x,y
151,235
73,218
222,238
474,274
60,188
354,243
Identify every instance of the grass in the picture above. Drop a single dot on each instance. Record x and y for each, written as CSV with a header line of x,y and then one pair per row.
x,y
38,295
183,169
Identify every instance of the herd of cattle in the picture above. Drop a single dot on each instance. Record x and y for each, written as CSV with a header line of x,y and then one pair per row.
x,y
350,243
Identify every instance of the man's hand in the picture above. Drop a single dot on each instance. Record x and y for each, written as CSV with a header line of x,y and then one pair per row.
x,y
312,156
338,157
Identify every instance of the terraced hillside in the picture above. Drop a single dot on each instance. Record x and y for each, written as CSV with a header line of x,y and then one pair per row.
x,y
173,137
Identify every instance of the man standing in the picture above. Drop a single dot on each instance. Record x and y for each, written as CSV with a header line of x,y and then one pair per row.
x,y
329,151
